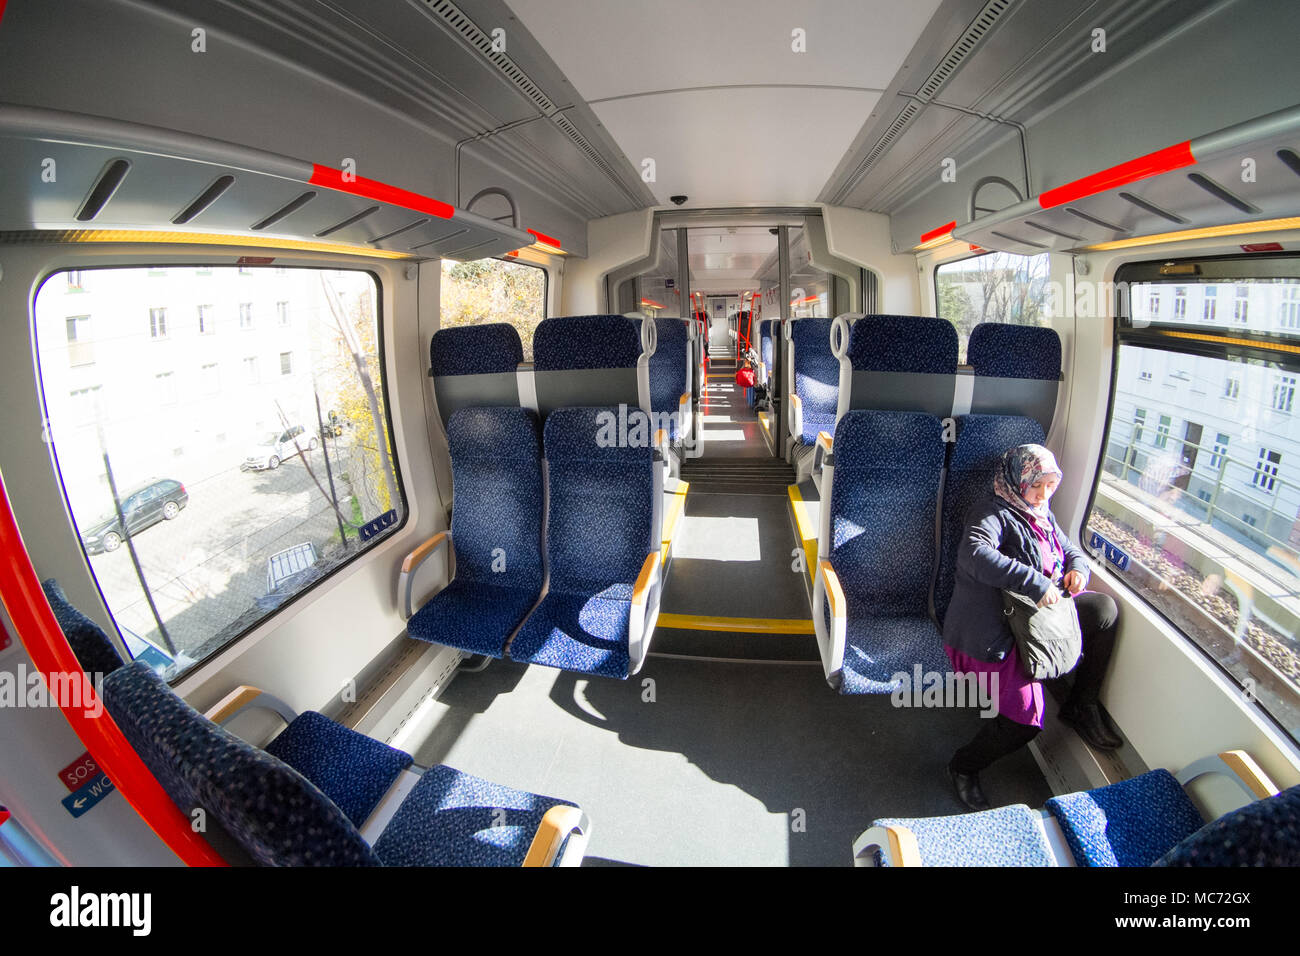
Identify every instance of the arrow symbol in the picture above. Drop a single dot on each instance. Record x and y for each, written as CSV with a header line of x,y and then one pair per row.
x,y
78,803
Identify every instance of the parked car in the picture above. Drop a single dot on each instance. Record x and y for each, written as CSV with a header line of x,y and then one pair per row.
x,y
159,500
275,447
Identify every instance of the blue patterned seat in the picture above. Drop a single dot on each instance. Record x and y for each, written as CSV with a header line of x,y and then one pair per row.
x,y
814,380
1017,371
602,536
981,440
475,366
767,332
898,363
1264,833
1003,836
592,360
1130,823
670,378
311,814
496,533
94,651
878,544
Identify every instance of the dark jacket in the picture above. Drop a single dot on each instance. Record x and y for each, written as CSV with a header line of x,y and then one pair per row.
x,y
998,551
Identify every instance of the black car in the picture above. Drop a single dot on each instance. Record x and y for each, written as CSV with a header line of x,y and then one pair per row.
x,y
145,505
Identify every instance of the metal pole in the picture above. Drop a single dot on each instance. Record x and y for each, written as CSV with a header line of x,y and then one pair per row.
x,y
329,472
135,558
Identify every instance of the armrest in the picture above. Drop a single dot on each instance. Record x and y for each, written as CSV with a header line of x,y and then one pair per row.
x,y
411,563
558,823
827,588
896,843
826,440
684,410
643,613
243,697
1238,766
796,415
823,451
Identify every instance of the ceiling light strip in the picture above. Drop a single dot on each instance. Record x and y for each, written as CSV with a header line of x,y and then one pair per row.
x,y
1209,232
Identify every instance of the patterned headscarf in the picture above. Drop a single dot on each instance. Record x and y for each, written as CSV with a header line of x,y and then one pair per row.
x,y
1020,468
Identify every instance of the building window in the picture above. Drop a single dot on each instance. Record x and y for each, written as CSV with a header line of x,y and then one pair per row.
x,y
1232,386
1180,302
207,324
1241,305
1289,315
158,323
245,315
1144,376
250,370
84,405
1250,520
1153,304
282,313
74,281
165,388
1139,420
211,379
286,363
1220,450
1211,307
78,328
1266,469
1162,432
1283,393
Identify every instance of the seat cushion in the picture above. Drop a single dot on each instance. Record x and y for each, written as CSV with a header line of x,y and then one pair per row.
x,y
878,649
472,616
579,633
353,770
1263,833
1005,836
814,422
1130,823
455,819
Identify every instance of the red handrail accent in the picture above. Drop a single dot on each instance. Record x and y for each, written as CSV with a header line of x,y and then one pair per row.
x,y
373,189
1152,164
40,633
936,233
544,238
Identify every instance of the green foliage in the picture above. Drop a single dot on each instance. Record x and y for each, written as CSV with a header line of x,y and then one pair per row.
x,y
491,290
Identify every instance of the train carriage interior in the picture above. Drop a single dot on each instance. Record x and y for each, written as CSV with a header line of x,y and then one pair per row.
x,y
535,432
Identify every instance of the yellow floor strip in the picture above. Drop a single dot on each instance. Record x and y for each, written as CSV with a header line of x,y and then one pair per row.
x,y
741,625
807,530
676,506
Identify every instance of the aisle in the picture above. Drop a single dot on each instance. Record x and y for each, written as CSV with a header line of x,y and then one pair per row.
x,y
735,588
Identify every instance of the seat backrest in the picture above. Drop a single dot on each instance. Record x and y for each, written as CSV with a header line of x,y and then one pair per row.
x,y
670,365
1262,833
884,493
592,361
766,343
981,442
475,365
814,374
898,363
496,517
273,811
94,651
603,506
1017,371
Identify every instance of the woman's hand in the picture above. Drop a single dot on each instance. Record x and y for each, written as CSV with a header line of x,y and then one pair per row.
x,y
1051,597
1073,582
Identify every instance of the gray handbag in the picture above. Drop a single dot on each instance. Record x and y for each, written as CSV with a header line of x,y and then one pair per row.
x,y
1048,638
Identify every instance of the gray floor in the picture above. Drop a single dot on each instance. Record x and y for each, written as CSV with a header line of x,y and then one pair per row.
x,y
705,763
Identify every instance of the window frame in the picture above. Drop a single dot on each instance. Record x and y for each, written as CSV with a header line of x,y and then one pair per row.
x,y
204,269
934,287
546,291
1233,342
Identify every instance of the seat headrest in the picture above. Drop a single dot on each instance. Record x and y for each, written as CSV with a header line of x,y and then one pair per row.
x,y
498,432
475,350
903,343
1015,351
586,342
609,434
95,652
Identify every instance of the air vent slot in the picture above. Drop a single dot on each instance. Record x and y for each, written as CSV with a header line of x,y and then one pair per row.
x,y
204,199
1152,208
347,222
1055,232
965,45
1218,192
1095,221
468,30
1023,242
397,232
103,189
285,210
1290,159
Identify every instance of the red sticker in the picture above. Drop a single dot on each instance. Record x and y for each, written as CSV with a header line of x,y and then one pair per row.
x,y
1262,247
80,772
254,260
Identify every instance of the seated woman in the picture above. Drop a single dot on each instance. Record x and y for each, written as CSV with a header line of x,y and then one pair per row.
x,y
1012,542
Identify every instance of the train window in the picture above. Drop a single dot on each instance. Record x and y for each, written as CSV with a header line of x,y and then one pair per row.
x,y
993,287
1201,516
208,494
493,290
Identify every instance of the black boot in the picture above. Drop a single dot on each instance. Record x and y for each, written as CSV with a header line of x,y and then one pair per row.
x,y
1091,724
967,787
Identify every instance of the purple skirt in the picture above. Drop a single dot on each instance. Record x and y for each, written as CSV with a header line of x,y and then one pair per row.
x,y
1019,698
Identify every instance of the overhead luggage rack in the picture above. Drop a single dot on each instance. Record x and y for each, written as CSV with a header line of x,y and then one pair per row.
x,y
1248,174
88,177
